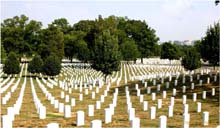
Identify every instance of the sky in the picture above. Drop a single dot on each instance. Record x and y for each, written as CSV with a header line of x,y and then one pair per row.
x,y
171,19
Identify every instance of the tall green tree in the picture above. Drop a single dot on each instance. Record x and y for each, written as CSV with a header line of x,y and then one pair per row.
x,y
106,54
52,65
35,65
210,45
144,37
191,59
11,65
20,35
169,51
3,54
129,50
51,39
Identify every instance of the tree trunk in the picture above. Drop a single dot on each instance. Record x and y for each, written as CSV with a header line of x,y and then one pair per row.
x,y
141,60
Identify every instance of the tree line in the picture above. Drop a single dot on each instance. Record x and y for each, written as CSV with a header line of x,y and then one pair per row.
x,y
103,42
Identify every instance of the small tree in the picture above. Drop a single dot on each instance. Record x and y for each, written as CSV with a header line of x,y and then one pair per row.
x,y
191,60
11,65
169,51
35,66
129,50
52,65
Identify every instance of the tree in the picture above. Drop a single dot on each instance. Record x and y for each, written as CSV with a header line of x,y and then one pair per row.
x,y
3,54
191,59
52,39
52,65
210,45
129,50
106,54
169,51
11,65
144,37
35,65
82,51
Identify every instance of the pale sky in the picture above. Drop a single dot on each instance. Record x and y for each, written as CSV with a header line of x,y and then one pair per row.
x,y
172,19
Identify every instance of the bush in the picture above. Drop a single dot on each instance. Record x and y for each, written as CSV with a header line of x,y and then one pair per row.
x,y
35,66
52,65
11,65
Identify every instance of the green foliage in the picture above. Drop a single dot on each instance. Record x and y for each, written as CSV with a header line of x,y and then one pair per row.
x,y
210,45
52,38
35,65
191,59
19,35
3,54
52,65
169,51
11,65
106,54
129,50
82,51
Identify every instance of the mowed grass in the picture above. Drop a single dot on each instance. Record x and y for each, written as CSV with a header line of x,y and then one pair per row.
x,y
28,116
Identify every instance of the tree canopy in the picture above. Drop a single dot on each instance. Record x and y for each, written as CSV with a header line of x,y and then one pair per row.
x,y
169,51
35,65
210,45
52,65
191,59
11,65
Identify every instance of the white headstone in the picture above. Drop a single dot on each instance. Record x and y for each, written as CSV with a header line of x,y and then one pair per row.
x,y
184,99
215,78
205,118
158,87
86,91
141,98
53,125
170,111
152,112
6,121
138,92
131,114
163,121
186,119
61,107
184,89
153,95
213,91
135,123
93,95
102,98
164,94
192,86
90,110
62,95
200,82
145,105
199,106
194,97
56,104
96,124
186,108
159,103
167,85
108,115
73,102
175,83
67,99
145,84
98,104
208,80
174,92
80,118
204,95
42,112
67,111
148,90
172,101
10,112
80,97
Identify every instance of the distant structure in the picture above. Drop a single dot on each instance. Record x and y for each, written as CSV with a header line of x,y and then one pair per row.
x,y
185,42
